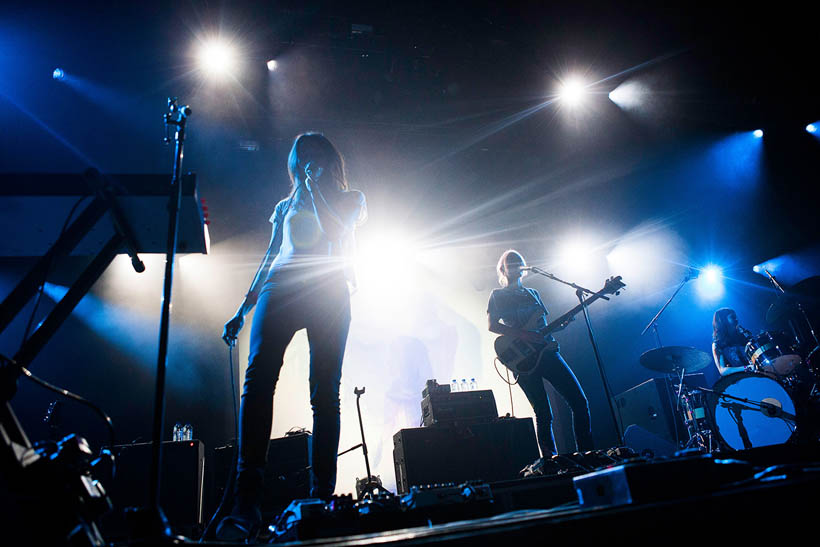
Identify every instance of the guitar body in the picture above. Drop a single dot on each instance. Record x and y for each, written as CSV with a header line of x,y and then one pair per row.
x,y
521,356
518,355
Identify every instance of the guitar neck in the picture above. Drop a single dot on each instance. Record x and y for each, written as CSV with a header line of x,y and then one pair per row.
x,y
553,326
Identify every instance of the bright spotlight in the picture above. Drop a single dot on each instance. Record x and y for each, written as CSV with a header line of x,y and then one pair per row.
x,y
712,274
628,95
217,58
710,283
572,92
272,65
757,268
812,127
58,74
757,133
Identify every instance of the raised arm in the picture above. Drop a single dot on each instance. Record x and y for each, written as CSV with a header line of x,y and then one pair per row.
x,y
337,219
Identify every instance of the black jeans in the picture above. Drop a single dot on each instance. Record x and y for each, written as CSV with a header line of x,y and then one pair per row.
x,y
555,370
285,306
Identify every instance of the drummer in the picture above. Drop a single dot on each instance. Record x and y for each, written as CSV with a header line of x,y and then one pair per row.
x,y
729,342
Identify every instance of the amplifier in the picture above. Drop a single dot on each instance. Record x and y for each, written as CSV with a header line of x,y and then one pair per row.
x,y
181,487
287,475
651,405
461,408
491,451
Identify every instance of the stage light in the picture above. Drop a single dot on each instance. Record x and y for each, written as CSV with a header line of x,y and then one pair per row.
x,y
710,283
217,58
758,133
58,74
272,65
628,95
757,268
812,127
572,92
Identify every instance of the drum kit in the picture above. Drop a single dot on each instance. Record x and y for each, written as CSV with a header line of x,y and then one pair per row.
x,y
758,407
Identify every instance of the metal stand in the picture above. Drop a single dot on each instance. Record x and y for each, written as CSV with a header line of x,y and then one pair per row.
x,y
653,324
372,484
175,117
580,292
797,303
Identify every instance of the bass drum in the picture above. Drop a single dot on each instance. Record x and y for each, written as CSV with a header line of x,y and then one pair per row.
x,y
734,419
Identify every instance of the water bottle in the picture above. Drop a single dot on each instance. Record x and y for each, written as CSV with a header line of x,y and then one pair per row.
x,y
177,432
473,384
187,433
453,386
463,386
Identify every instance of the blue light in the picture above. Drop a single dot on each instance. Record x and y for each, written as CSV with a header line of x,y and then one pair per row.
x,y
710,283
758,133
58,74
812,128
757,268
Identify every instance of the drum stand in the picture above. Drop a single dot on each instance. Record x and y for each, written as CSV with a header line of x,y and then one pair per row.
x,y
692,407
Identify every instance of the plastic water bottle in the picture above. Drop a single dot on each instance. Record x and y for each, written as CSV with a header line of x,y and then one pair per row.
x,y
177,432
187,433
463,386
453,386
473,384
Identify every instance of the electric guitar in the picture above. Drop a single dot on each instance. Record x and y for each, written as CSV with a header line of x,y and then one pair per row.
x,y
521,356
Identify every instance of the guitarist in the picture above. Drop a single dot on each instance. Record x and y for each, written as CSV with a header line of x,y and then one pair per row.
x,y
511,308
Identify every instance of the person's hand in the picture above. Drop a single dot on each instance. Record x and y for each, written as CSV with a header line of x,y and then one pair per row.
x,y
232,329
553,346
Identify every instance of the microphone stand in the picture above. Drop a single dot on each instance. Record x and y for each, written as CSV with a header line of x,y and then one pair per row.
x,y
176,117
581,293
799,306
654,323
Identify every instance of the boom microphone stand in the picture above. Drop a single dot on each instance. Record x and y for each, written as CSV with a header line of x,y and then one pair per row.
x,y
690,275
581,293
176,117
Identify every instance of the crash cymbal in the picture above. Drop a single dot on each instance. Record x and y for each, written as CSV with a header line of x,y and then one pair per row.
x,y
673,359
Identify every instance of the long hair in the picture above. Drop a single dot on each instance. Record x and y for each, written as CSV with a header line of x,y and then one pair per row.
x,y
317,149
501,267
721,335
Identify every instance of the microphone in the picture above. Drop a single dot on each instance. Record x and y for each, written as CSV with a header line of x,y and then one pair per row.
x,y
744,332
693,273
309,172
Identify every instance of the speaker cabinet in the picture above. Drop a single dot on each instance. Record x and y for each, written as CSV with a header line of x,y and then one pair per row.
x,y
287,475
181,486
652,406
491,451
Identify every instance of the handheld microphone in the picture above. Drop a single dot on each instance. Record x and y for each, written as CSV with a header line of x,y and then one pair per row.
x,y
693,273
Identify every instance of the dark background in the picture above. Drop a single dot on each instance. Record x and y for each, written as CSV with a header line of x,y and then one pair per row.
x,y
426,109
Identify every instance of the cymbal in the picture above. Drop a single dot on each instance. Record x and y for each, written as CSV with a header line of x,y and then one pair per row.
x,y
670,359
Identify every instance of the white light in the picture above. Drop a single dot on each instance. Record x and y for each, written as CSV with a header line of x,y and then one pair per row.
x,y
758,133
572,92
272,65
712,274
628,94
811,128
217,58
58,74
710,283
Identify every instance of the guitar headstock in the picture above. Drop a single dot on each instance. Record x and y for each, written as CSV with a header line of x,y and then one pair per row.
x,y
613,285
